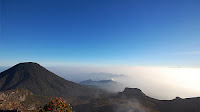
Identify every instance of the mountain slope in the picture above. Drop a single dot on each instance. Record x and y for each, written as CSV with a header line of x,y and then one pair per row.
x,y
37,79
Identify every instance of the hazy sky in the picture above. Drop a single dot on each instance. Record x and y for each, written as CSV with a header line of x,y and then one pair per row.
x,y
100,32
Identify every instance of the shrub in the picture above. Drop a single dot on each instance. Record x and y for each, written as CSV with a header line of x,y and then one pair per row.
x,y
56,105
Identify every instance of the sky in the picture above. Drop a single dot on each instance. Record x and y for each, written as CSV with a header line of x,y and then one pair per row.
x,y
100,32
156,43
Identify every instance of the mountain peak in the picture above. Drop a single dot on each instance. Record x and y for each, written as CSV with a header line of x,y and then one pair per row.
x,y
132,89
28,64
38,80
131,92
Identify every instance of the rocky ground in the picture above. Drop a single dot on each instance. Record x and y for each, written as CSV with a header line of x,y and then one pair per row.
x,y
14,100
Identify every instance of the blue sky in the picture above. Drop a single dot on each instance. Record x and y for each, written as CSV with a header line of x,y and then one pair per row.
x,y
101,32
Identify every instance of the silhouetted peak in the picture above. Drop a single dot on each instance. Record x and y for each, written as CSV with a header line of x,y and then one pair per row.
x,y
28,64
131,92
178,98
132,89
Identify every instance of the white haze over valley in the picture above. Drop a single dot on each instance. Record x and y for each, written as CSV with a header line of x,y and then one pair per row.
x,y
157,82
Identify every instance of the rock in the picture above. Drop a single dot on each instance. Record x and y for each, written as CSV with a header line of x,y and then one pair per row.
x,y
12,100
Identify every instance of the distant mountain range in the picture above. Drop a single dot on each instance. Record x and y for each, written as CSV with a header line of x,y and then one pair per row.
x,y
33,83
106,85
100,82
93,76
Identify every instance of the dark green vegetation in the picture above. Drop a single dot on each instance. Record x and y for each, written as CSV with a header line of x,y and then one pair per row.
x,y
29,85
